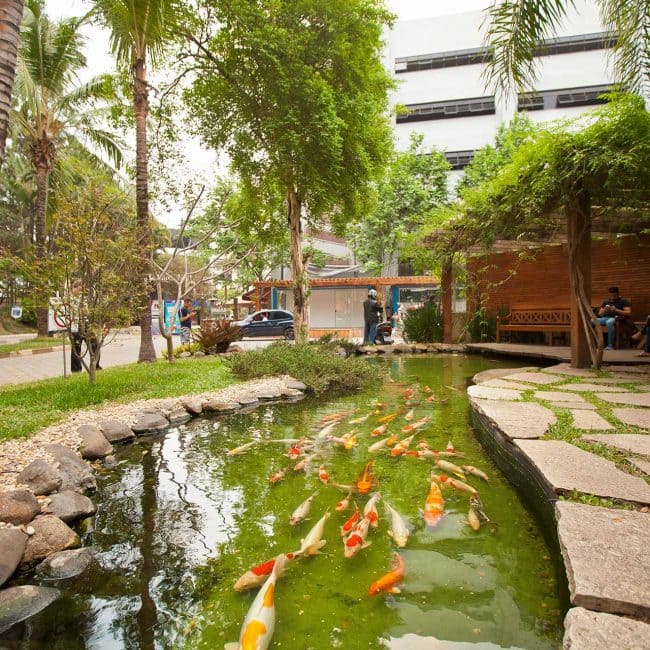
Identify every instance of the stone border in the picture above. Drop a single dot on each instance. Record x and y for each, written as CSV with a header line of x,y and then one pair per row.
x,y
412,348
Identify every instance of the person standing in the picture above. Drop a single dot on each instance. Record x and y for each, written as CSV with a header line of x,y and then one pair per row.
x,y
74,317
371,312
612,308
186,315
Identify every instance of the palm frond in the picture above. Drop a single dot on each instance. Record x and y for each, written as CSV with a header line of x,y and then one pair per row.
x,y
106,142
99,88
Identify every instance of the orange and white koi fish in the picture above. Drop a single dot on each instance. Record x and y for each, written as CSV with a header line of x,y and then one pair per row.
x,y
446,466
422,445
447,481
388,418
410,415
276,477
304,464
391,440
434,505
402,446
408,393
416,426
334,417
428,390
344,503
378,405
347,527
312,544
370,510
398,531
360,420
431,398
387,583
470,469
259,624
380,430
376,446
294,452
356,540
242,448
450,446
257,575
323,475
366,479
301,511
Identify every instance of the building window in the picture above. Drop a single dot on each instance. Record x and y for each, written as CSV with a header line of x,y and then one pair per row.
x,y
448,109
580,43
563,98
459,159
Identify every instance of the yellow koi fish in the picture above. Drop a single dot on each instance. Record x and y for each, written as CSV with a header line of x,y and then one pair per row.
x,y
242,448
388,418
360,420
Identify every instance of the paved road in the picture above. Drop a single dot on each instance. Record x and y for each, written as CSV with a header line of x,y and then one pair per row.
x,y
123,349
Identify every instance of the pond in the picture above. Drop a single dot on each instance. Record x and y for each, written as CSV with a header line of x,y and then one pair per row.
x,y
179,521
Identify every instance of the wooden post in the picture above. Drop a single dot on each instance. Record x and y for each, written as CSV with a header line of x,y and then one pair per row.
x,y
446,302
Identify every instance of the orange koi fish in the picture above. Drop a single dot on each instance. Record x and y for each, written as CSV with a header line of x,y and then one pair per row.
x,y
434,505
402,446
257,575
323,475
347,527
410,415
304,464
379,430
455,484
276,477
430,399
356,539
370,511
366,479
294,452
408,393
388,418
344,503
387,583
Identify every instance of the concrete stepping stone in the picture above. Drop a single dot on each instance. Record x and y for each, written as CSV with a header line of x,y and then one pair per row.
x,y
485,392
504,383
593,388
566,369
590,420
567,467
641,369
639,463
557,396
614,380
584,406
605,555
534,377
634,443
516,419
633,399
499,373
635,417
586,630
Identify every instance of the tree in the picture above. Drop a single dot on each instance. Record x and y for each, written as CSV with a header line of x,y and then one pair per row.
x,y
516,28
140,31
415,183
297,94
11,13
53,108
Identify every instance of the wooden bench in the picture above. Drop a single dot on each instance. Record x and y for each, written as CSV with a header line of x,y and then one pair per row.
x,y
550,320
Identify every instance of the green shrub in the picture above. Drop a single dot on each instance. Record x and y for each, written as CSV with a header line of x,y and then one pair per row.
x,y
482,326
333,342
424,325
185,347
316,365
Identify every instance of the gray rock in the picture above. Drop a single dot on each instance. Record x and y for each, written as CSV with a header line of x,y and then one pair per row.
x,y
534,377
12,547
605,555
516,419
218,406
40,477
267,396
636,443
567,468
633,399
166,406
50,536
199,354
247,399
290,382
184,355
179,416
581,406
585,630
420,347
65,564
368,349
557,396
592,388
291,393
636,417
590,420
146,422
69,506
498,373
18,507
484,392
193,405
116,431
20,603
76,474
93,443
110,462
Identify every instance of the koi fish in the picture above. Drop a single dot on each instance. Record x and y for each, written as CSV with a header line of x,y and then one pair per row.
x,y
259,624
304,464
257,575
387,583
380,430
301,511
422,445
378,405
294,452
402,446
323,475
312,544
398,532
350,442
360,420
370,510
325,431
366,479
242,448
391,440
473,518
428,390
344,503
450,446
470,469
416,426
408,393
410,415
446,466
387,418
356,540
434,505
276,477
476,515
431,398
455,484
334,417
376,446
347,527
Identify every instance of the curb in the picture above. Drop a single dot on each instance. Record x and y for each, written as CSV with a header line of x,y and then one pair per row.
x,y
29,352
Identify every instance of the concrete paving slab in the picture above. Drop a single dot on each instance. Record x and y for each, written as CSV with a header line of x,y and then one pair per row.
x,y
586,630
497,373
639,369
485,392
567,468
639,463
590,420
635,443
516,419
593,388
535,377
585,406
566,369
557,396
633,399
631,379
605,555
503,383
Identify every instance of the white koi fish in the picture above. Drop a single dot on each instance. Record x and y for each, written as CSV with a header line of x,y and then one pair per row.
x,y
410,415
446,466
326,430
370,510
259,624
301,511
470,469
344,503
398,532
312,544
378,445
360,420
242,448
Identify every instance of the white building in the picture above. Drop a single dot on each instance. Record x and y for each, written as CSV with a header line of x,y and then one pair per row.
x,y
438,64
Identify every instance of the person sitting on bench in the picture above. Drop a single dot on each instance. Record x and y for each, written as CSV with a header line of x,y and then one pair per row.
x,y
644,335
612,308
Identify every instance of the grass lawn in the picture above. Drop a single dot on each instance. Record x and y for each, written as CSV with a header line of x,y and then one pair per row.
x,y
25,408
31,344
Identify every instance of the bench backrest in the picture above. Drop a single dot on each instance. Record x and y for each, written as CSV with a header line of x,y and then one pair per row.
x,y
544,316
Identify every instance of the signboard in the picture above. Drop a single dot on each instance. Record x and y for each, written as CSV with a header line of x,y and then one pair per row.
x,y
16,312
169,308
55,320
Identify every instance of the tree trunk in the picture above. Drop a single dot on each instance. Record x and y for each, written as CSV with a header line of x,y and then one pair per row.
x,y
11,13
300,282
446,287
141,109
42,178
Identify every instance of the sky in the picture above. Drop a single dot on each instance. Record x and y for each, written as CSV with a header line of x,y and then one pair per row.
x,y
202,162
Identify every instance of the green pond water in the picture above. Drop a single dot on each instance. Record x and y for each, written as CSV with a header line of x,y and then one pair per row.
x,y
179,522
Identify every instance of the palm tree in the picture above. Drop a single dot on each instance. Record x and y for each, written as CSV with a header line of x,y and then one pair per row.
x,y
140,29
516,27
53,108
11,13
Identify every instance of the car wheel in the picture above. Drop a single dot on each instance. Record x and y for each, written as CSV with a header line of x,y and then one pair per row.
x,y
289,334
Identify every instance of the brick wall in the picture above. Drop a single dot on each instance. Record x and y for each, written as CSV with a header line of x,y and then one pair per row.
x,y
541,278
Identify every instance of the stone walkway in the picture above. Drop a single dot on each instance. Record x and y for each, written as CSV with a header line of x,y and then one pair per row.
x,y
586,434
